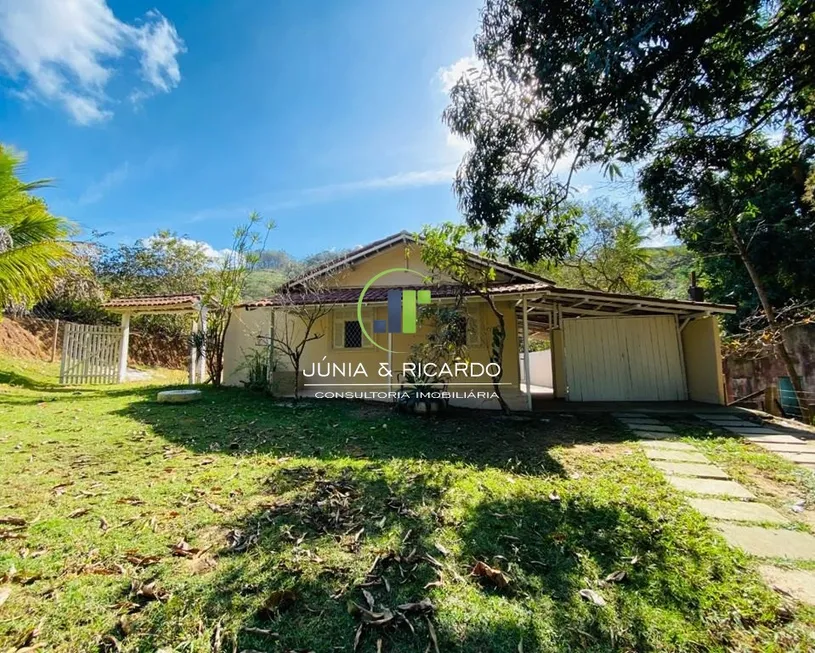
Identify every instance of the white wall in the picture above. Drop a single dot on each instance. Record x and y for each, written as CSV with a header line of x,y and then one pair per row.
x,y
540,369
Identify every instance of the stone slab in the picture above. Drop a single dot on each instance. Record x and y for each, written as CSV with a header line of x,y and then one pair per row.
x,y
667,444
751,430
721,415
652,435
710,486
640,420
678,456
798,457
737,511
797,582
659,428
769,542
690,469
790,448
775,439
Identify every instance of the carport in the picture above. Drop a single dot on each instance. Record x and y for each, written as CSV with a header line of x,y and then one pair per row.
x,y
610,347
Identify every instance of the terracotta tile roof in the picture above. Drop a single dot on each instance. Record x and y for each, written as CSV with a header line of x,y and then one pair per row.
x,y
153,301
380,294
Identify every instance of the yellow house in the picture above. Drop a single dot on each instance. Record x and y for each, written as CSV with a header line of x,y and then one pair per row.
x,y
604,346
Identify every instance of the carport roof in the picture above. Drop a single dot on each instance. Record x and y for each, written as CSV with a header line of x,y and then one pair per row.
x,y
573,302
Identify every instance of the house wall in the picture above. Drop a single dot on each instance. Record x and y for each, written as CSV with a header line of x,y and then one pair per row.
x,y
703,361
247,324
241,344
399,256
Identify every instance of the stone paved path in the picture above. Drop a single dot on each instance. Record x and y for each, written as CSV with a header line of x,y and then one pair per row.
x,y
754,527
788,443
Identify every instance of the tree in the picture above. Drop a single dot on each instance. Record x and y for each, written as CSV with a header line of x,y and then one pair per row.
x,y
746,204
296,320
564,85
225,288
443,252
163,264
610,255
33,242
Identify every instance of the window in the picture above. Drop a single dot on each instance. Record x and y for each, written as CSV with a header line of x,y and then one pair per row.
x,y
347,331
474,327
353,335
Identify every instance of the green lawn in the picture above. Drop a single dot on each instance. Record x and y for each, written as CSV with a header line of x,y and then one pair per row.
x,y
241,523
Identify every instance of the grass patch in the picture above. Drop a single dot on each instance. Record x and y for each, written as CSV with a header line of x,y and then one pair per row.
x,y
285,520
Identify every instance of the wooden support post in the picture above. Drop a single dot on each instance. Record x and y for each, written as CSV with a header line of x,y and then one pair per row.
x,y
390,362
526,357
193,360
54,344
202,359
124,343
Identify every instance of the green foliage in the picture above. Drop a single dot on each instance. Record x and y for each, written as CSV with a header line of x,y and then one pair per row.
x,y
610,255
443,252
33,243
564,85
669,270
226,285
753,194
163,264
262,283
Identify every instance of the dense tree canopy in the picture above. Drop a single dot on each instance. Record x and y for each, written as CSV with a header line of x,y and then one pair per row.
x,y
611,255
566,84
752,193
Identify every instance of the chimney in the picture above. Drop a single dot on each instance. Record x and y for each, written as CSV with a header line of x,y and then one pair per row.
x,y
695,293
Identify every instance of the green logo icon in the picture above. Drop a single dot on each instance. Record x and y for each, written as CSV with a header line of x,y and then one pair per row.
x,y
402,305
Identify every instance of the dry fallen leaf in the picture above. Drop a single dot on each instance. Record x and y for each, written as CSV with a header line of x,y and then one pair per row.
x,y
79,512
13,521
263,632
183,549
616,576
369,598
5,592
483,570
278,602
442,549
425,606
594,597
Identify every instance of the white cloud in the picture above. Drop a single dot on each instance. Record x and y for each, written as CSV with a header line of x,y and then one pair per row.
x,y
66,51
97,190
449,75
412,179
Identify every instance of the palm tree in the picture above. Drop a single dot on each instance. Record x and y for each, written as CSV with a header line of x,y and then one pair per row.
x,y
33,242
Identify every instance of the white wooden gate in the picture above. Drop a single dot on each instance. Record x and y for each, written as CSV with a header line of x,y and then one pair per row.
x,y
90,354
624,359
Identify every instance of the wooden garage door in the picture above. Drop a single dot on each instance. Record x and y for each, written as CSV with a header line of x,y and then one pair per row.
x,y
623,359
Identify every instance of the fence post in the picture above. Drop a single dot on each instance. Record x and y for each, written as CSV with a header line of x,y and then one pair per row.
x,y
54,344
771,400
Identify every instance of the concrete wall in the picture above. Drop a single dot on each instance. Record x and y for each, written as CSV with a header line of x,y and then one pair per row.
x,y
540,368
747,375
703,361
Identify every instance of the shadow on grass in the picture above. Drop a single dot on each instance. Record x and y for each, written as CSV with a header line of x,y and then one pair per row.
x,y
240,423
308,542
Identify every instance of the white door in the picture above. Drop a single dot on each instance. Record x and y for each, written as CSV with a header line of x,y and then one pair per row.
x,y
623,359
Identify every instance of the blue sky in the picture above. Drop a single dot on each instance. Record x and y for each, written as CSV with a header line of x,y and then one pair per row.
x,y
324,116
